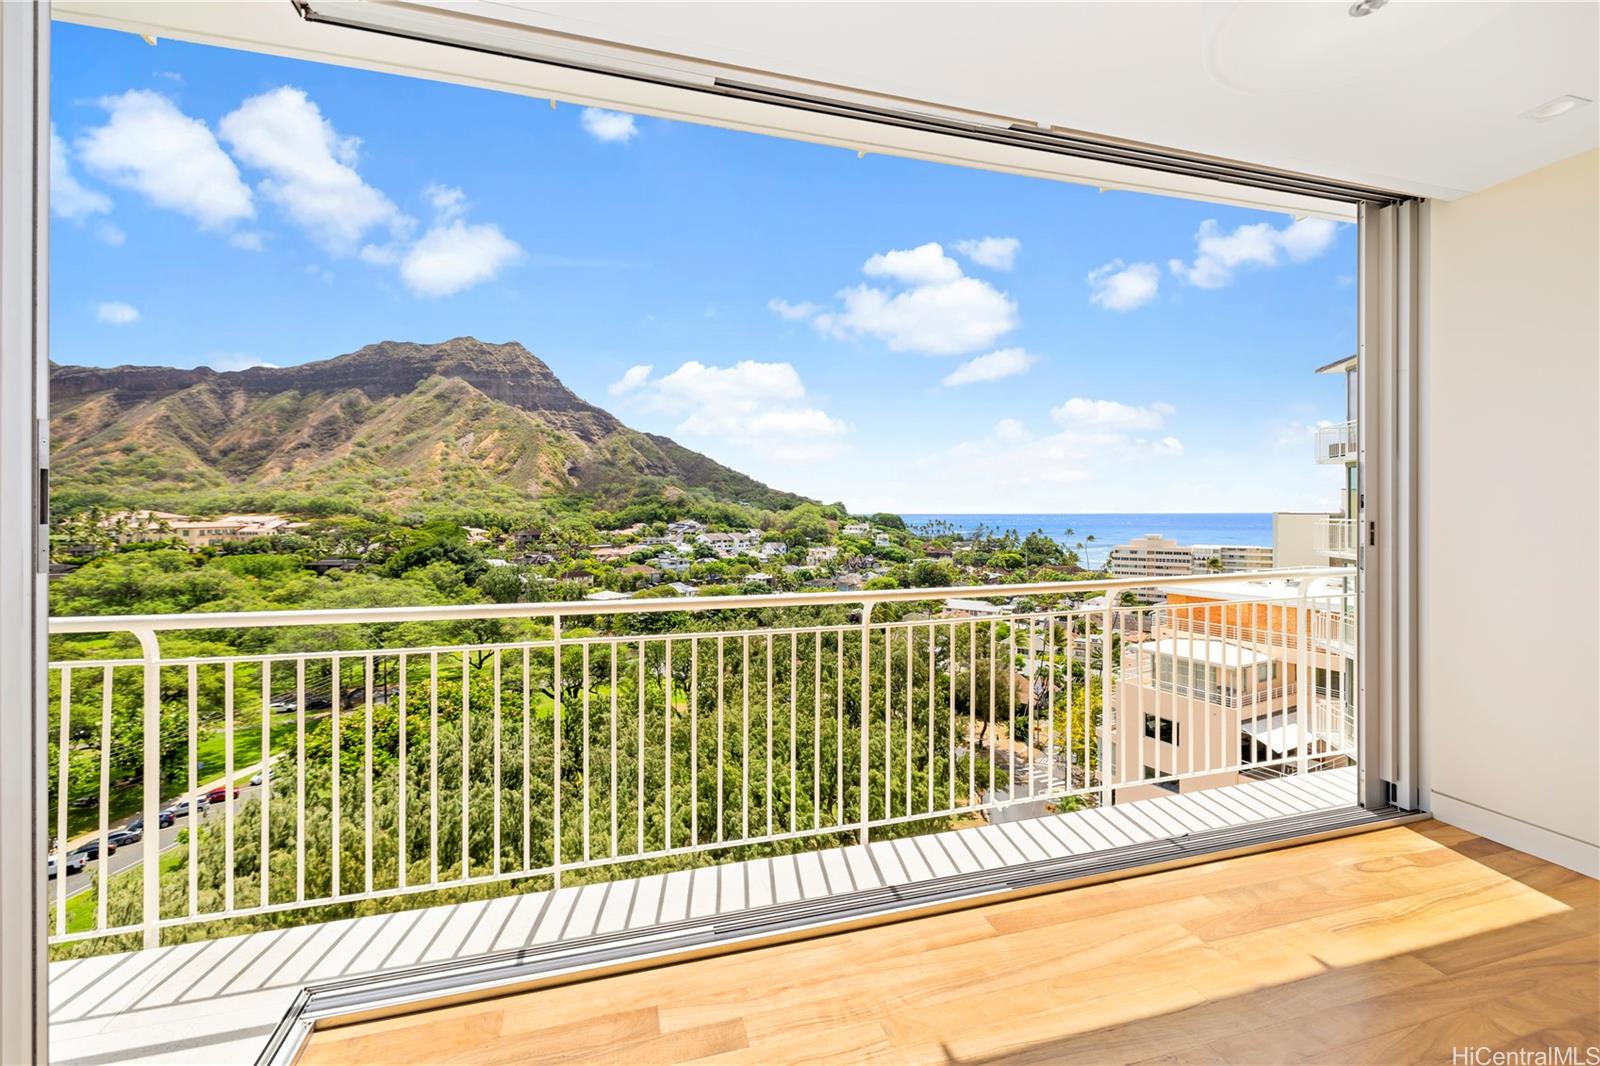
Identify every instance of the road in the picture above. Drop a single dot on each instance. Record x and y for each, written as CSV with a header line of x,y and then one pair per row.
x,y
133,854
1033,778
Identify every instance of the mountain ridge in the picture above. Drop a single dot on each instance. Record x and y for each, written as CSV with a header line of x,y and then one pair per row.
x,y
395,424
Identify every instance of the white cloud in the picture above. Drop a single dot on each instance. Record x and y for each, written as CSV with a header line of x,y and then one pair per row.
x,y
750,406
1218,255
447,201
310,168
110,233
68,198
634,379
117,313
248,240
1004,363
611,127
935,311
454,256
996,253
925,264
1090,441
1116,286
381,254
1110,415
791,312
227,362
1295,435
148,145
948,319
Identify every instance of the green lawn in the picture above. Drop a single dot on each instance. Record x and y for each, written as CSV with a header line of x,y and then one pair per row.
x,y
128,800
211,752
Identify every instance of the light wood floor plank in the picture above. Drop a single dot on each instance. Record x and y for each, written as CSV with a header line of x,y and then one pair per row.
x,y
1387,947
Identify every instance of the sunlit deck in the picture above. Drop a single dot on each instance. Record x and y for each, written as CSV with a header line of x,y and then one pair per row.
x,y
1399,945
219,1001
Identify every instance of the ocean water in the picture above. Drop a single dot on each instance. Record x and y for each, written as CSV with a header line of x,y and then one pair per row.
x,y
1112,529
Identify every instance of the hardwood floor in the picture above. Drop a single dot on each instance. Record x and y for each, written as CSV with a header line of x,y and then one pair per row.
x,y
1389,947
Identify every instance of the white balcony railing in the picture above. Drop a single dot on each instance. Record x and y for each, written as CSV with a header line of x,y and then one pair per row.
x,y
418,749
1336,443
1334,630
1336,537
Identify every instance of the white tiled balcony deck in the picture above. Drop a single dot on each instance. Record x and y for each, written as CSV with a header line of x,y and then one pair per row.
x,y
218,1001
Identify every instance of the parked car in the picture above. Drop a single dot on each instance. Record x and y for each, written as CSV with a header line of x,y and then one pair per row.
x,y
91,851
73,863
180,809
123,837
163,819
220,793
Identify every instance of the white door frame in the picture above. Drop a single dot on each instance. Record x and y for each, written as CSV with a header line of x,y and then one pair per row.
x,y
1390,334
24,528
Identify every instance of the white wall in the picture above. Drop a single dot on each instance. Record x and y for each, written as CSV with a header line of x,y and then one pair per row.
x,y
1511,506
1294,539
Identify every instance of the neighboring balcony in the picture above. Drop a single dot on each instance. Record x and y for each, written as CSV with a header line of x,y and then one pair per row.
x,y
358,762
1334,631
1336,537
1336,444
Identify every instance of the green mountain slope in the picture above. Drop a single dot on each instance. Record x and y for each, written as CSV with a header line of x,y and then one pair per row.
x,y
461,425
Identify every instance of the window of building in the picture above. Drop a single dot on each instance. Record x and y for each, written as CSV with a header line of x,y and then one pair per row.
x,y
1162,729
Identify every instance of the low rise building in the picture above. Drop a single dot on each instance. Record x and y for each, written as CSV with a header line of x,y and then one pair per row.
x,y
130,526
819,556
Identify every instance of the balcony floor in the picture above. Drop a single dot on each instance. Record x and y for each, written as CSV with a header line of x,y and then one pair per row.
x,y
1392,946
218,1001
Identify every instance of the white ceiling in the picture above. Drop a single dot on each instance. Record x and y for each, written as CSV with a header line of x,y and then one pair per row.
x,y
1426,98
1422,97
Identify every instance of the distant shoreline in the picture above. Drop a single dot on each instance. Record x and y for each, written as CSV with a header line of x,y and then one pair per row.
x,y
1112,528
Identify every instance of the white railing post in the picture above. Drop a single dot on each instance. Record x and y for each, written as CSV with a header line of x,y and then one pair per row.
x,y
866,672
1107,797
150,844
555,749
1305,691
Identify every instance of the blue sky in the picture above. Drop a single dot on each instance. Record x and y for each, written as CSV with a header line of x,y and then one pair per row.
x,y
897,334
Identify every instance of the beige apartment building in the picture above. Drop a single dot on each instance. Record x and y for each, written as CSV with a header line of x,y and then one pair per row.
x,y
132,526
1151,555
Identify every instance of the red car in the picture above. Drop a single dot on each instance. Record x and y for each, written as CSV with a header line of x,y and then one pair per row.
x,y
220,793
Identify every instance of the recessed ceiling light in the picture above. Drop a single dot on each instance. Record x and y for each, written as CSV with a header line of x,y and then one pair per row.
x,y
1559,106
1362,8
